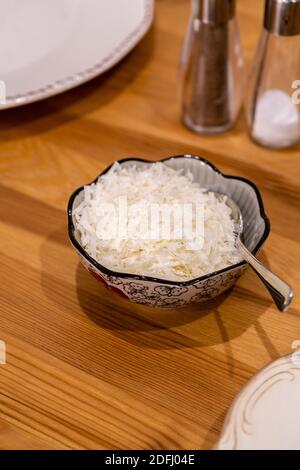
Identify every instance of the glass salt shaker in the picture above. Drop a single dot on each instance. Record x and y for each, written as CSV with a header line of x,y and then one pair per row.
x,y
272,104
211,68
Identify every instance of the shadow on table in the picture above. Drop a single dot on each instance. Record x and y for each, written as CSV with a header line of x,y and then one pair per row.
x,y
213,322
214,433
201,325
42,116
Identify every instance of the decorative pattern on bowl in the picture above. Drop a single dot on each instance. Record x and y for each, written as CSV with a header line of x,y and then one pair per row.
x,y
170,294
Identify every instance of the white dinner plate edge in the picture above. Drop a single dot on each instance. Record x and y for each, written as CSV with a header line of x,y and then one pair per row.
x,y
84,76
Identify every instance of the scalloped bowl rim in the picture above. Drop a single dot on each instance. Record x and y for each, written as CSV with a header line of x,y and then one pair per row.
x,y
109,272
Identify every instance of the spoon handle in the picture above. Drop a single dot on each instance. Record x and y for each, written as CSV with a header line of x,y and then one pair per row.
x,y
281,292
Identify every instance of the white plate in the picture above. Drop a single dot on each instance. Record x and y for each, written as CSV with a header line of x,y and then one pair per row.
x,y
266,414
49,46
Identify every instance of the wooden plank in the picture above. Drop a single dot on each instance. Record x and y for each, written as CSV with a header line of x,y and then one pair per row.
x,y
86,369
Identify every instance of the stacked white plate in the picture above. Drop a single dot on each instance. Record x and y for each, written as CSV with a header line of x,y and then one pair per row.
x,y
49,46
266,414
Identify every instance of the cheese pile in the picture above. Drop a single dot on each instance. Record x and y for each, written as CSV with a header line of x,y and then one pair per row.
x,y
174,259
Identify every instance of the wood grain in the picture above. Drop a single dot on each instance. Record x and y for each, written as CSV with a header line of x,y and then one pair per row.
x,y
85,369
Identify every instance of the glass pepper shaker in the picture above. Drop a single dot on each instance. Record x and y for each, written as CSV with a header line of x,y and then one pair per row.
x,y
211,78
273,112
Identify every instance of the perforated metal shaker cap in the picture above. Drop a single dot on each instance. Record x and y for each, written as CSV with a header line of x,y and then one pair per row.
x,y
282,17
214,11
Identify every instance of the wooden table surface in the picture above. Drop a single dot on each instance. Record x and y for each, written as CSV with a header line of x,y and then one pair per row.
x,y
86,369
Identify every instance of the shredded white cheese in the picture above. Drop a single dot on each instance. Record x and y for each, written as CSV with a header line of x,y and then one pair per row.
x,y
175,258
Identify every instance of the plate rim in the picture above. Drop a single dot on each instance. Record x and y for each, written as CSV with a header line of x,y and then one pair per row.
x,y
83,76
236,418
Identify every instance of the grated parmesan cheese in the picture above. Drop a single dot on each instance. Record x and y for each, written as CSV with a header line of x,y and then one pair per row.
x,y
176,259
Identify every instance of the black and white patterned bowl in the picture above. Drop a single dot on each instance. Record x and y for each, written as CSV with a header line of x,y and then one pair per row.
x,y
168,294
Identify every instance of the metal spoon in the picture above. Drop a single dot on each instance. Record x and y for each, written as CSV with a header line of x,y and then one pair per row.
x,y
281,292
